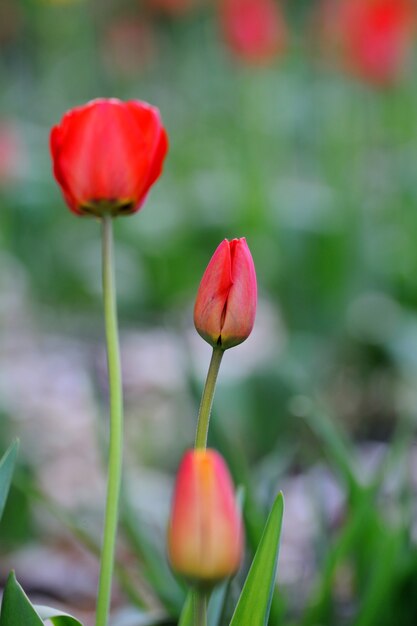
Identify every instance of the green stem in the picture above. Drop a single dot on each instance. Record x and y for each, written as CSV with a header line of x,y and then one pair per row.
x,y
116,426
207,399
200,608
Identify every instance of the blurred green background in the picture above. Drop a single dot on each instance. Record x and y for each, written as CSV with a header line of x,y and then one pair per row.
x,y
318,170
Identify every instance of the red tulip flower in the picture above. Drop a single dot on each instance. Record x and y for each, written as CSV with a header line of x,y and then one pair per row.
x,y
107,154
372,37
225,307
254,30
205,534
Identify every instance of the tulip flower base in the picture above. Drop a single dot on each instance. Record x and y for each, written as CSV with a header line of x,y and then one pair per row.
x,y
113,207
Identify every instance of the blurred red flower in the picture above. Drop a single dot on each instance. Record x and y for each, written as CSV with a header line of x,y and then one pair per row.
x,y
254,30
107,154
370,38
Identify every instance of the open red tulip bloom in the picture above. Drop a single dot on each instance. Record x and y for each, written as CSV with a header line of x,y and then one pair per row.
x,y
107,154
225,306
205,535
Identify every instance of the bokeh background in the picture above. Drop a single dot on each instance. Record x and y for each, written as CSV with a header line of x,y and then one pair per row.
x,y
293,124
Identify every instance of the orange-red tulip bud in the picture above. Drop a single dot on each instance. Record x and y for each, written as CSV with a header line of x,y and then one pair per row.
x,y
205,534
225,307
107,154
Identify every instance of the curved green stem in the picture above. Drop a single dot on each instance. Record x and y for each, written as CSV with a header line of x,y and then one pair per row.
x,y
207,399
116,426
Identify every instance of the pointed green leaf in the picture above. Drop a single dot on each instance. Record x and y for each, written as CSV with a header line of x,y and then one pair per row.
x,y
255,600
7,464
16,609
58,618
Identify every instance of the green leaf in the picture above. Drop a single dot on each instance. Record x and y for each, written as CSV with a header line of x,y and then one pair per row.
x,y
16,609
379,595
255,600
7,464
186,618
57,617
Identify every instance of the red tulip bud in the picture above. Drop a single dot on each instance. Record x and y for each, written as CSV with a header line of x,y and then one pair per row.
x,y
107,154
225,307
205,535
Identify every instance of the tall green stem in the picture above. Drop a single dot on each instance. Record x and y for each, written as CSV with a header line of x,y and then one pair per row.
x,y
200,608
116,426
207,399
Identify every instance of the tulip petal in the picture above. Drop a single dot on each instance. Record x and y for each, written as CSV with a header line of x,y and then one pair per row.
x,y
242,299
213,293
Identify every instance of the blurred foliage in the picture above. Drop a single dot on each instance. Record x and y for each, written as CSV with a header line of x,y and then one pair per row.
x,y
318,170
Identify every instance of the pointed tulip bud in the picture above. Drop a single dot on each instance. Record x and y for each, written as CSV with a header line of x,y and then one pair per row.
x,y
205,535
225,307
107,154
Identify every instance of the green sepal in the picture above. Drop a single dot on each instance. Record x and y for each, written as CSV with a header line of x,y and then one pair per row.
x,y
186,618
